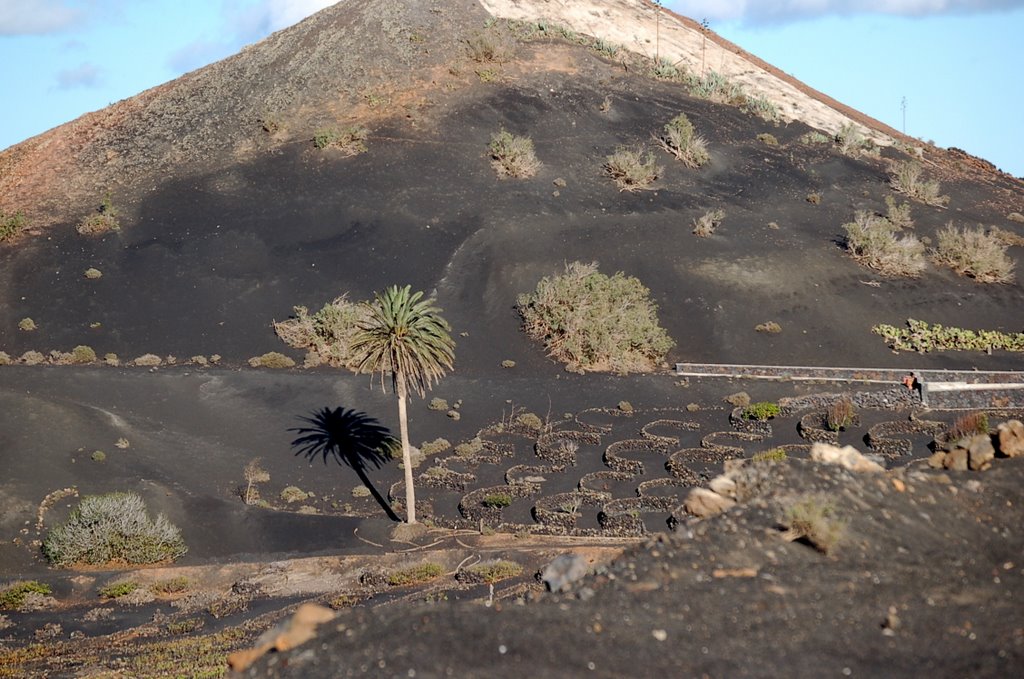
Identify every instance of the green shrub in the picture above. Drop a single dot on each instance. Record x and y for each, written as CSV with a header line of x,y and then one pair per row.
x,y
906,177
851,139
508,364
32,358
815,137
761,411
706,224
11,225
762,107
92,273
102,221
513,156
272,359
593,322
113,528
485,48
814,198
495,571
327,335
663,69
98,456
437,404
351,141
873,242
768,139
773,455
921,337
497,500
148,360
974,253
117,590
83,354
625,406
14,595
5,358
470,448
815,521
768,327
631,169
530,421
1006,237
436,446
27,325
717,87
679,139
292,494
415,575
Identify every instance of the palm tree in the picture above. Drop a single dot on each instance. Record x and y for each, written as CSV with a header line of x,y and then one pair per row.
x,y
407,338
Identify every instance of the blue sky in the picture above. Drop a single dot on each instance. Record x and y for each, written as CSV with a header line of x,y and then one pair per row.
x,y
956,62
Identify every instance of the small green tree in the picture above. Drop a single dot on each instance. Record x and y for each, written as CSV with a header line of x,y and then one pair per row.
x,y
405,337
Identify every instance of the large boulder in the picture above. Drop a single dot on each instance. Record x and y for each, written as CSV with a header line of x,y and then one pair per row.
x,y
1011,438
847,457
703,503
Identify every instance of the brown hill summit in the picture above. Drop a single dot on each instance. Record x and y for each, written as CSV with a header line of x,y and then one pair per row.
x,y
231,214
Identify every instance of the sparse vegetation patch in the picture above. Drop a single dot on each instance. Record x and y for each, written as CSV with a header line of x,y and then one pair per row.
x,y
14,595
513,156
595,322
761,411
102,221
351,141
631,169
272,359
11,225
707,223
921,337
415,575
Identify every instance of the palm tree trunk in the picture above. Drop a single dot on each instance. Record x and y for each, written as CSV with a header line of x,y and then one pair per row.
x,y
403,425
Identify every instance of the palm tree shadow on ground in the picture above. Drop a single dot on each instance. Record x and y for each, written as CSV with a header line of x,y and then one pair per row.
x,y
350,437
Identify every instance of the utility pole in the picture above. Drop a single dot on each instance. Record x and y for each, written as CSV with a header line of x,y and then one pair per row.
x,y
704,26
657,33
903,107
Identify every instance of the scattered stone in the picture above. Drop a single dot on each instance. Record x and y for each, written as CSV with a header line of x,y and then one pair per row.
x,y
560,574
740,399
847,457
980,452
289,634
703,503
956,460
724,486
1011,438
899,486
937,460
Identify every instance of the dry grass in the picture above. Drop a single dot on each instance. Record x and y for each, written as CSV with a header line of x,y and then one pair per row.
x,y
814,520
974,253
873,242
706,224
632,169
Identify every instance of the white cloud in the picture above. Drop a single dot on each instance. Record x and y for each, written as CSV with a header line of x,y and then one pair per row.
x,y
254,21
283,13
759,11
33,17
85,75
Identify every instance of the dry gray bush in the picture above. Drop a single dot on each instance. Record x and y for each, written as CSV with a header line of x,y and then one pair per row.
x,y
113,528
706,224
873,242
906,177
974,253
513,156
